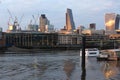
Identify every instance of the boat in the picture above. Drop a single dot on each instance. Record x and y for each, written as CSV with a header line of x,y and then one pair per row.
x,y
103,56
110,54
93,52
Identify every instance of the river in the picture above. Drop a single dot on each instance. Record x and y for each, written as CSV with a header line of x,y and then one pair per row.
x,y
55,65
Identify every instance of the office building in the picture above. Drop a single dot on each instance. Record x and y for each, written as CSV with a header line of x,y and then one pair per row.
x,y
112,21
43,22
92,26
117,21
70,26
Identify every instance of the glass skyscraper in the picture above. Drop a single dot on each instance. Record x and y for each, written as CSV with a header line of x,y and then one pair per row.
x,y
112,21
117,21
70,26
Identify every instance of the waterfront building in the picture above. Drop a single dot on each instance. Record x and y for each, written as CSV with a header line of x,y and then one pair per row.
x,y
70,26
93,32
43,22
39,40
2,41
70,39
30,40
111,22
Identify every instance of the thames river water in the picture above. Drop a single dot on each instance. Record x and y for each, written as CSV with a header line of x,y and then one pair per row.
x,y
55,65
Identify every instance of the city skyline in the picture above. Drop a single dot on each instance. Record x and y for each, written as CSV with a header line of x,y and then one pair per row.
x,y
83,13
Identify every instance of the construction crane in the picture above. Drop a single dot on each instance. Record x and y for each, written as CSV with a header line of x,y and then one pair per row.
x,y
10,16
21,19
15,22
35,19
19,23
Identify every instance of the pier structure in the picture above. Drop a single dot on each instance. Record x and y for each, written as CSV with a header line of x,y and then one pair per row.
x,y
32,39
56,40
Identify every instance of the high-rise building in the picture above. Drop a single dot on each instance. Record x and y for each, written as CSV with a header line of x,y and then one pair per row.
x,y
112,21
43,22
92,26
117,21
70,26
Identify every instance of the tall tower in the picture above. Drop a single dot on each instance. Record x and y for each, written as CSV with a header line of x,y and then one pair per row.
x,y
43,22
117,21
70,26
93,26
112,21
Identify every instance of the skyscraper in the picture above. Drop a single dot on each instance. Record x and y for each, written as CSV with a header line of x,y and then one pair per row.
x,y
43,22
70,26
117,21
112,21
93,26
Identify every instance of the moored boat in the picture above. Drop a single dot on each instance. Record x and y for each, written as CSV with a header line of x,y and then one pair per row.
x,y
111,55
93,52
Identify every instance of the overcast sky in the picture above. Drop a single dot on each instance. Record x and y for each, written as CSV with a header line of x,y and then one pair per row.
x,y
84,11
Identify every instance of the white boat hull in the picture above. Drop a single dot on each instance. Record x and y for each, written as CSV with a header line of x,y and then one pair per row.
x,y
90,52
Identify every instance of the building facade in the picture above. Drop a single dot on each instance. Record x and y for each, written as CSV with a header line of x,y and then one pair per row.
x,y
43,22
31,40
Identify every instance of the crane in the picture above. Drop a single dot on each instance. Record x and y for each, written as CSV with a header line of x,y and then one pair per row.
x,y
15,22
10,16
19,23
21,19
35,19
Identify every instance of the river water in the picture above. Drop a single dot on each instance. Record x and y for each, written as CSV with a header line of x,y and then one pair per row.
x,y
55,65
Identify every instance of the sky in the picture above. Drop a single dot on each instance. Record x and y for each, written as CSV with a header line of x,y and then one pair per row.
x,y
84,11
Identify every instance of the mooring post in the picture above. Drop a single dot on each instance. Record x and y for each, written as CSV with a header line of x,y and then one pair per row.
x,y
83,58
83,50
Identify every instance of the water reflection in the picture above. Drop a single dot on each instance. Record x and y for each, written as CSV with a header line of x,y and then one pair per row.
x,y
83,67
39,67
83,75
69,66
110,69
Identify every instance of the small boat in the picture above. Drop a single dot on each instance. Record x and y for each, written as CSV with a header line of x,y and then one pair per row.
x,y
103,56
111,55
90,52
